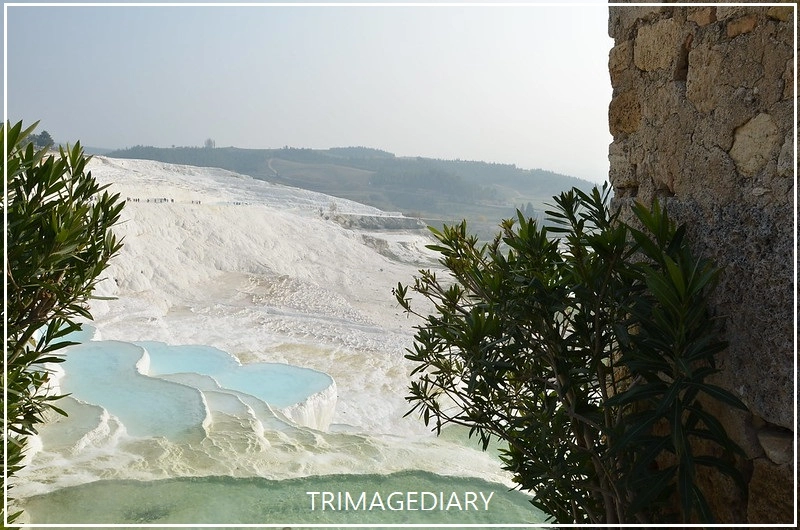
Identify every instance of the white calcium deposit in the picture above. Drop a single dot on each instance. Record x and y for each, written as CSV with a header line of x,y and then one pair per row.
x,y
256,270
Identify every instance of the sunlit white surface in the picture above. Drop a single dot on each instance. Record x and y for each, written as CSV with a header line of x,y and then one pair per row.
x,y
253,270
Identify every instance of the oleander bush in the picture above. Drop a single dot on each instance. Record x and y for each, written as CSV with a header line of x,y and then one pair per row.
x,y
585,347
59,241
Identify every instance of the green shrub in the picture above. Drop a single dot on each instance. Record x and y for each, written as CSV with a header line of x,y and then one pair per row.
x,y
571,343
59,241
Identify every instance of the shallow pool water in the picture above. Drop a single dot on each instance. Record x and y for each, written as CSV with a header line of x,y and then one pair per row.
x,y
104,373
280,385
226,500
156,389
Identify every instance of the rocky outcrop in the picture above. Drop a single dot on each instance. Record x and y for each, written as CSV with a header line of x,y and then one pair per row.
x,y
702,119
377,222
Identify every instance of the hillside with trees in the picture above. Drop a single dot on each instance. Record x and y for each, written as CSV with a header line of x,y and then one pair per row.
x,y
439,191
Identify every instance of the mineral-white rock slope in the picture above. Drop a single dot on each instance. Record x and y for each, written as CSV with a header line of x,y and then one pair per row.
x,y
259,270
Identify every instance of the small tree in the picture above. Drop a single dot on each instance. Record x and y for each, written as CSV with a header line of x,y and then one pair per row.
x,y
59,242
210,143
43,140
570,344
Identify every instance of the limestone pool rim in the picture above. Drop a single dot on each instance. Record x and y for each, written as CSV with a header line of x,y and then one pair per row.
x,y
283,388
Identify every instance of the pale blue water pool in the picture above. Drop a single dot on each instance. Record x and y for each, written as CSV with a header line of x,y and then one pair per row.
x,y
173,359
278,384
104,373
157,389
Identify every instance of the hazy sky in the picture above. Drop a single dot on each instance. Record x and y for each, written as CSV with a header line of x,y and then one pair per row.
x,y
525,85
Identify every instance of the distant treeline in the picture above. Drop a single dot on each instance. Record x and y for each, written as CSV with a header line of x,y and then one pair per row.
x,y
373,176
244,161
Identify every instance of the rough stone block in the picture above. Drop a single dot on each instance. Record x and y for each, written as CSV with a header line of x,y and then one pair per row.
x,y
624,113
742,25
622,20
786,164
724,13
754,144
771,493
619,60
702,77
753,240
699,163
657,45
777,444
782,13
621,174
788,81
772,84
702,16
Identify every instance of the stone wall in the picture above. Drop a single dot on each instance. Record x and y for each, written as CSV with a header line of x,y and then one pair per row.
x,y
702,116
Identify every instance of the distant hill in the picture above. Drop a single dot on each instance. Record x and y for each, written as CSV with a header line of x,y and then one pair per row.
x,y
95,150
439,191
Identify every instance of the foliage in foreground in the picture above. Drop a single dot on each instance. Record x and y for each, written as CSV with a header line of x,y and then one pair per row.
x,y
59,241
586,353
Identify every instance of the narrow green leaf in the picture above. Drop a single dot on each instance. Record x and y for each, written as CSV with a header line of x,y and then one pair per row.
x,y
677,277
720,394
646,492
703,510
686,485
